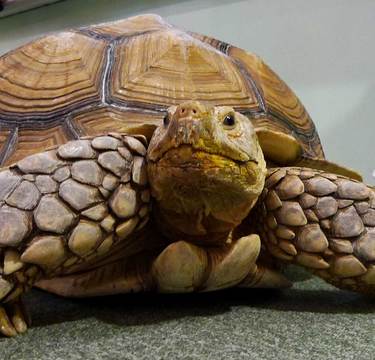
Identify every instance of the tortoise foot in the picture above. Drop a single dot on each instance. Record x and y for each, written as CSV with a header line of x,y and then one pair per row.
x,y
265,278
14,319
185,267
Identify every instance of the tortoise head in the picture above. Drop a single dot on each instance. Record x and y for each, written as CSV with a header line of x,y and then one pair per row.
x,y
205,161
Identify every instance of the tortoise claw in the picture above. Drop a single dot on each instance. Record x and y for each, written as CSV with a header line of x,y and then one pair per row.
x,y
13,318
6,326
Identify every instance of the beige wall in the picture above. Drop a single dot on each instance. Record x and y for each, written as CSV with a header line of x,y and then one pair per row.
x,y
324,49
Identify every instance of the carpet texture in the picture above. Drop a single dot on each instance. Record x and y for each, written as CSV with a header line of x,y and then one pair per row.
x,y
312,320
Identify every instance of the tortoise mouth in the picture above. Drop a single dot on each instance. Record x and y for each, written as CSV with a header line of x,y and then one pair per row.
x,y
192,173
202,192
190,156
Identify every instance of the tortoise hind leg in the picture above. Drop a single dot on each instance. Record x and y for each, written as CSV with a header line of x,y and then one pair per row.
x,y
324,222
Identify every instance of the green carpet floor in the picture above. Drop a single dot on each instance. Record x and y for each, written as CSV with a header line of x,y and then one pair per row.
x,y
310,321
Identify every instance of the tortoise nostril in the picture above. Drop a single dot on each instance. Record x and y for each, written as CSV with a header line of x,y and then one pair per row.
x,y
188,109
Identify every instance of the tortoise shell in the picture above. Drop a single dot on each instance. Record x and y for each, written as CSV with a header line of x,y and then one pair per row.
x,y
122,76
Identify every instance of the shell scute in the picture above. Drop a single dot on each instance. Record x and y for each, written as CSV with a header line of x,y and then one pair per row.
x,y
90,81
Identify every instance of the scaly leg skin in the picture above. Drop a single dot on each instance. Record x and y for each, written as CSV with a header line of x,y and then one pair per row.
x,y
324,222
180,267
185,267
66,208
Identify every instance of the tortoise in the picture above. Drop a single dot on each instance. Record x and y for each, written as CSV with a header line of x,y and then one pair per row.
x,y
137,157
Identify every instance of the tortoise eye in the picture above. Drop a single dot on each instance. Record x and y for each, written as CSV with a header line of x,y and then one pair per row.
x,y
166,120
229,120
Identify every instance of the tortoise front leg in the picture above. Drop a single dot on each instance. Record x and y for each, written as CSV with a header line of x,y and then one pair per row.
x,y
64,209
180,267
324,222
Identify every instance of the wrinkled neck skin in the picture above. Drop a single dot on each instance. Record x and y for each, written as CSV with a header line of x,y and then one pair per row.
x,y
199,206
204,177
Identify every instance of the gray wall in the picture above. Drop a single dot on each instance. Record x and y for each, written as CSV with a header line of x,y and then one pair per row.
x,y
324,49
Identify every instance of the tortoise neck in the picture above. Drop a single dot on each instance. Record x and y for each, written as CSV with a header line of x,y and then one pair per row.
x,y
196,228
